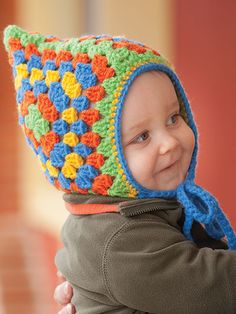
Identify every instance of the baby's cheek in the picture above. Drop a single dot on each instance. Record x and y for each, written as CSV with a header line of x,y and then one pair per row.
x,y
191,141
188,138
136,164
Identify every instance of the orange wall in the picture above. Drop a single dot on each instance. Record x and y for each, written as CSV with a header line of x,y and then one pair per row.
x,y
205,51
206,61
8,125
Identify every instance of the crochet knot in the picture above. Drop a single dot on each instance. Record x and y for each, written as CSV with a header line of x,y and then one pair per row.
x,y
201,206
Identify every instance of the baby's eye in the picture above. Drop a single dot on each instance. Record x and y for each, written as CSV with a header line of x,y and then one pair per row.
x,y
174,119
142,137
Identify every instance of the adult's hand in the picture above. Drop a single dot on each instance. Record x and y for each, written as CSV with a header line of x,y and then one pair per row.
x,y
63,294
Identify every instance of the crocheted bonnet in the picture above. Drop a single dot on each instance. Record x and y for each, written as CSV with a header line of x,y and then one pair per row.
x,y
70,94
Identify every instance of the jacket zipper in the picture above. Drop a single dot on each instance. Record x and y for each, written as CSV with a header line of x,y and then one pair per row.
x,y
133,210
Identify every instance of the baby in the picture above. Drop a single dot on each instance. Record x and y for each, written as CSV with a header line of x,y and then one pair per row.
x,y
155,134
113,128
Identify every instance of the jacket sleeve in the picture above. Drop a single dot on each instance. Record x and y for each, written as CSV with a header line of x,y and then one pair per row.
x,y
150,266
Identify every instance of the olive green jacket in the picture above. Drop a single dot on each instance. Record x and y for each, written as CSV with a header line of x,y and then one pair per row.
x,y
136,260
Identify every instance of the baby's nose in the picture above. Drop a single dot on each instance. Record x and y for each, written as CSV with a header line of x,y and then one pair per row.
x,y
167,143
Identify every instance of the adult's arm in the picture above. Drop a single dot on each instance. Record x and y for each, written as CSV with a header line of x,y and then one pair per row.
x,y
150,266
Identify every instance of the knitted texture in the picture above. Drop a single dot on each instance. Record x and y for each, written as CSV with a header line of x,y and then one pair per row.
x,y
67,94
70,94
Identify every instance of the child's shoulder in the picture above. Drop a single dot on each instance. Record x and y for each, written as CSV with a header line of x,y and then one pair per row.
x,y
113,227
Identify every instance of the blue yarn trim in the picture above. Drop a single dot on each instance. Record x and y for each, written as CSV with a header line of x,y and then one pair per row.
x,y
142,191
102,36
198,204
117,39
201,206
42,156
50,178
21,119
19,95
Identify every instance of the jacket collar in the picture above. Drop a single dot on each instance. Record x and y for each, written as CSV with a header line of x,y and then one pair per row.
x,y
78,204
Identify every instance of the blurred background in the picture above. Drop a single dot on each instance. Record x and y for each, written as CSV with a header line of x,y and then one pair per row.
x,y
197,36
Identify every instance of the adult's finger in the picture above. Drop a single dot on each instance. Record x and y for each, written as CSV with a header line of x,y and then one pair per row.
x,y
63,293
60,276
69,309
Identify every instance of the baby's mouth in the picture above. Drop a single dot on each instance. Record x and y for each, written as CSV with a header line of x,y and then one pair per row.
x,y
170,166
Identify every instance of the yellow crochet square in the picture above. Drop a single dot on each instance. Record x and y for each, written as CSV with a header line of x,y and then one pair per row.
x,y
69,171
53,171
75,160
21,73
71,139
70,85
70,115
36,74
52,76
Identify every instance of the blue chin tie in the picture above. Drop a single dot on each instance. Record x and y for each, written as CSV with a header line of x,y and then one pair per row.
x,y
203,207
199,204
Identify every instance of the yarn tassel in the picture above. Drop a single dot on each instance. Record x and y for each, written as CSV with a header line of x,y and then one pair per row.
x,y
203,207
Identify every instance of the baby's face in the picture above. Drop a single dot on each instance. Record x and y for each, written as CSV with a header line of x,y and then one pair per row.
x,y
157,142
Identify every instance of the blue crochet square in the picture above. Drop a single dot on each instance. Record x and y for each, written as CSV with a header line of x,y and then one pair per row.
x,y
80,103
61,127
34,62
65,66
55,91
88,171
85,76
88,81
49,65
82,150
61,103
79,127
58,154
56,159
83,182
40,87
25,85
18,57
64,182
57,96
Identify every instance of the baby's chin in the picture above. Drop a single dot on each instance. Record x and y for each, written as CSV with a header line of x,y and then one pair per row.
x,y
167,185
